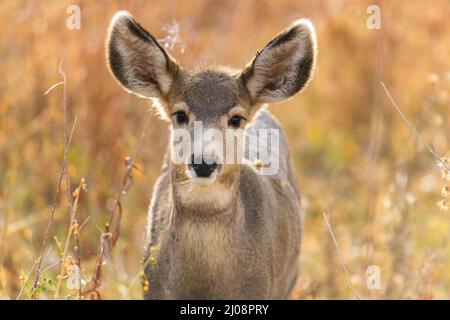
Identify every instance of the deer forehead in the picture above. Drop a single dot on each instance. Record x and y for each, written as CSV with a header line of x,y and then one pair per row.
x,y
210,94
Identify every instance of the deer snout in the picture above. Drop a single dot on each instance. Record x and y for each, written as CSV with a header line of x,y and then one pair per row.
x,y
203,166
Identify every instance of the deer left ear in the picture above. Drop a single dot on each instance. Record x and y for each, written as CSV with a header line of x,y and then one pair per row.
x,y
284,66
137,60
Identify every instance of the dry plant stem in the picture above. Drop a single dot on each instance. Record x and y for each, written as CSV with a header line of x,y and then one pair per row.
x,y
52,213
116,212
69,235
77,252
374,151
26,280
77,249
112,229
130,165
66,173
94,283
53,87
347,274
430,148
64,82
31,272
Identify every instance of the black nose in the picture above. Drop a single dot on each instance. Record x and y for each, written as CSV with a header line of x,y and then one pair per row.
x,y
203,169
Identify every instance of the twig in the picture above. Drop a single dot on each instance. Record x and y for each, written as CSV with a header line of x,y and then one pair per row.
x,y
52,213
347,274
128,179
64,82
29,275
25,282
114,219
69,234
111,232
76,234
414,130
63,174
94,283
53,87
66,174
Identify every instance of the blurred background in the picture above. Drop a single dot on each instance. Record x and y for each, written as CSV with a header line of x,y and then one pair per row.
x,y
356,159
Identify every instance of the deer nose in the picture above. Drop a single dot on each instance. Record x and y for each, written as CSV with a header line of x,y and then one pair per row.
x,y
203,167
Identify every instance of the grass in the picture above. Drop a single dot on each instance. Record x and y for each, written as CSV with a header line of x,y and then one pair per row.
x,y
386,199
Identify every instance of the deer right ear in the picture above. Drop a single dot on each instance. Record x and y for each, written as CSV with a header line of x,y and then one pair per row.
x,y
284,66
136,59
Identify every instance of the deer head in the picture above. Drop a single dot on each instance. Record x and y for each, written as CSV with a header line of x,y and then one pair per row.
x,y
218,98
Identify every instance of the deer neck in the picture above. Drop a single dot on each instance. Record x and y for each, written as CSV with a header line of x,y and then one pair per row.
x,y
200,202
204,226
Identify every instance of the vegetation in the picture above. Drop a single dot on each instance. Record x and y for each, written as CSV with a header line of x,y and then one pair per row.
x,y
386,197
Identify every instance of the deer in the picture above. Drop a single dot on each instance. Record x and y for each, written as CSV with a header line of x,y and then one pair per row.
x,y
218,230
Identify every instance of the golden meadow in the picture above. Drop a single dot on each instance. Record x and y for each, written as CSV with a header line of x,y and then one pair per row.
x,y
356,159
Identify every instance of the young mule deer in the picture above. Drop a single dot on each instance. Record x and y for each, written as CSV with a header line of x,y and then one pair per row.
x,y
219,230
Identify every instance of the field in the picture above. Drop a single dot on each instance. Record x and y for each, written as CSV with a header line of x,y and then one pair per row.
x,y
375,175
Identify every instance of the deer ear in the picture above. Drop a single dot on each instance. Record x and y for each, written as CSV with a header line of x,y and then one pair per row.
x,y
284,66
136,59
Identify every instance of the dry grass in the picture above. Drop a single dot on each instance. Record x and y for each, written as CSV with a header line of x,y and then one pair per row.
x,y
353,152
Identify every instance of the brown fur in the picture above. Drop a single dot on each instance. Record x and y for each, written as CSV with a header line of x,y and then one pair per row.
x,y
238,238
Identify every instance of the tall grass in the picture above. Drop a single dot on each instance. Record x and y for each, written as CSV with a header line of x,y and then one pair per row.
x,y
354,155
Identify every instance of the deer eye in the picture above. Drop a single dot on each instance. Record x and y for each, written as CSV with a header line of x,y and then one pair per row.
x,y
236,121
181,117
